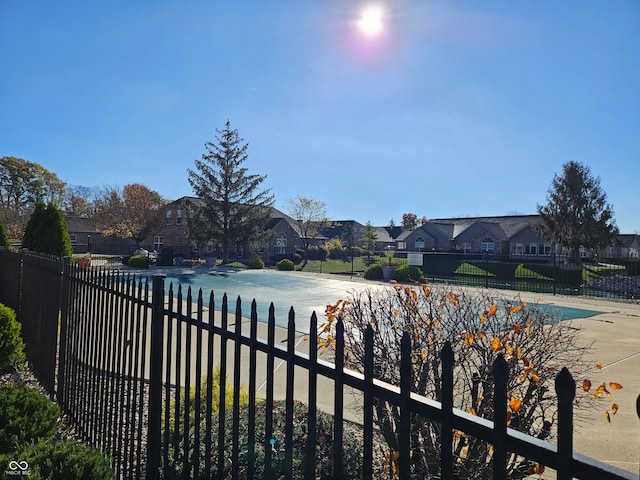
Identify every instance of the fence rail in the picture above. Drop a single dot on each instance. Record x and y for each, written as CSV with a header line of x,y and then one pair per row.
x,y
136,373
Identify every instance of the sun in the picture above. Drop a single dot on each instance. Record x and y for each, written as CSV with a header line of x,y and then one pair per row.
x,y
370,21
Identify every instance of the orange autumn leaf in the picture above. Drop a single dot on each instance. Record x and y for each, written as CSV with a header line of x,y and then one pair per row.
x,y
496,344
600,390
426,290
536,469
606,415
515,404
615,385
517,328
482,318
614,408
468,340
472,411
599,367
493,310
515,309
586,385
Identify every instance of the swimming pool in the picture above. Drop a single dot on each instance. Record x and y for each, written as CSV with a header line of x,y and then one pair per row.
x,y
305,293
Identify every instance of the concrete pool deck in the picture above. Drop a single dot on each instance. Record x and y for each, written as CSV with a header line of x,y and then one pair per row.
x,y
615,334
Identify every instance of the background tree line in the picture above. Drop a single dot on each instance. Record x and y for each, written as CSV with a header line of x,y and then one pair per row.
x,y
231,207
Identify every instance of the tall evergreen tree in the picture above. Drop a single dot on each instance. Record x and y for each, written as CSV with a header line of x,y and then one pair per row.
x,y
47,232
577,213
369,238
231,209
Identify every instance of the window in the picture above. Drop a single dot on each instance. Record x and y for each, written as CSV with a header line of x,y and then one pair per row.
x,y
544,249
487,245
73,237
157,242
179,217
281,244
419,244
517,249
530,248
168,217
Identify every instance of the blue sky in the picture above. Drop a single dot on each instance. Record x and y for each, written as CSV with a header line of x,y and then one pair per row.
x,y
455,109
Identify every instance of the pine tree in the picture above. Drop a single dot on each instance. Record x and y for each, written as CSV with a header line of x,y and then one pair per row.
x,y
47,232
230,209
577,213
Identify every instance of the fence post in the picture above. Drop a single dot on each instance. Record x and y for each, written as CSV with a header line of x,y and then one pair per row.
x,y
566,391
62,347
155,379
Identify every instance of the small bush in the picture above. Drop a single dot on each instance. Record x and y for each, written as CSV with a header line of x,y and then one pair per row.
x,y
60,459
139,261
285,264
26,415
406,273
373,272
11,344
256,263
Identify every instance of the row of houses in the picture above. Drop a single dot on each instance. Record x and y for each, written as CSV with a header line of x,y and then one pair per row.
x,y
511,235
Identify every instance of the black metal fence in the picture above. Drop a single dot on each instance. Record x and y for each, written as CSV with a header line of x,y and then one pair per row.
x,y
610,279
137,375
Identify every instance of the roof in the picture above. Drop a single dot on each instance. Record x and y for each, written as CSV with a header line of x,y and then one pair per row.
x,y
76,224
503,227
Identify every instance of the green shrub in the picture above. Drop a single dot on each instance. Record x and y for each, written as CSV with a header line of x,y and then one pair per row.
x,y
11,344
322,443
139,261
285,264
177,409
373,272
25,415
60,459
406,273
256,263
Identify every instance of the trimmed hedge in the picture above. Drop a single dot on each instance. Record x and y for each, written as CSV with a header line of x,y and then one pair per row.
x,y
406,273
373,272
11,344
138,261
26,415
256,263
285,265
60,459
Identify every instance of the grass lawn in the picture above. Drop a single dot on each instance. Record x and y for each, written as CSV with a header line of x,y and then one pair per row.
x,y
333,266
524,272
